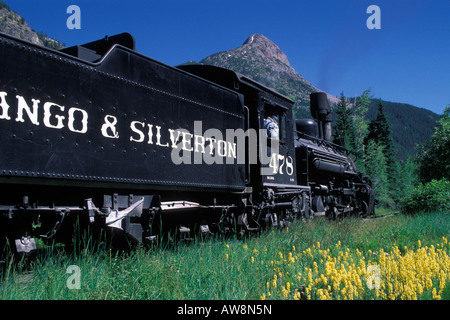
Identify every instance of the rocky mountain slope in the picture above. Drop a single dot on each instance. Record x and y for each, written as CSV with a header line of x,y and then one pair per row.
x,y
13,24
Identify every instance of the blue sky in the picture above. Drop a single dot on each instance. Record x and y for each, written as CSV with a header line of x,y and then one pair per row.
x,y
326,41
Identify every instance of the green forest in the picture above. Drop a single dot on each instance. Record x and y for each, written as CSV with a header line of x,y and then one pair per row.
x,y
412,184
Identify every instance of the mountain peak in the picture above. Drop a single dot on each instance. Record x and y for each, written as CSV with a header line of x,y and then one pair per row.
x,y
266,47
257,38
262,60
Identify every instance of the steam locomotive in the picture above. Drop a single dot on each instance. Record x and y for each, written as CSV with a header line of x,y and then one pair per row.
x,y
101,137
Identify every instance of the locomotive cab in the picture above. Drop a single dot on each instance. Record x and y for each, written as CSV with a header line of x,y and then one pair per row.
x,y
272,165
272,155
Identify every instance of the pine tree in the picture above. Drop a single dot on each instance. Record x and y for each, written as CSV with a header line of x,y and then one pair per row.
x,y
360,123
344,129
376,169
380,131
407,178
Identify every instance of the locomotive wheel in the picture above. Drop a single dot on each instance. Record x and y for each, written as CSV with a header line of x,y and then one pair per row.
x,y
332,213
270,220
306,212
364,209
227,224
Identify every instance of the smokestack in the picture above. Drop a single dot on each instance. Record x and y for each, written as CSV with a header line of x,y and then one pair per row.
x,y
321,111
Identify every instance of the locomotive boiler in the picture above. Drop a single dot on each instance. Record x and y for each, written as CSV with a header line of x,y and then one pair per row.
x,y
100,137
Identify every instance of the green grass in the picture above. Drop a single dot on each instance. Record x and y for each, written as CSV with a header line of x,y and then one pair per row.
x,y
209,269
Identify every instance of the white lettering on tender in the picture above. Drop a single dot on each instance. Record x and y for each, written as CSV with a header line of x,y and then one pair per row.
x,y
198,147
48,114
53,115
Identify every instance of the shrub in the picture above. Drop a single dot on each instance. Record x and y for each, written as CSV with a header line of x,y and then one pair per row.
x,y
431,196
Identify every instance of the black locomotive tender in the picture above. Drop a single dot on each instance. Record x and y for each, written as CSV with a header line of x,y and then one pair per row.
x,y
100,135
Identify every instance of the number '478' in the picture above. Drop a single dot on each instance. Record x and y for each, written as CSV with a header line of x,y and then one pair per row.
x,y
281,164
